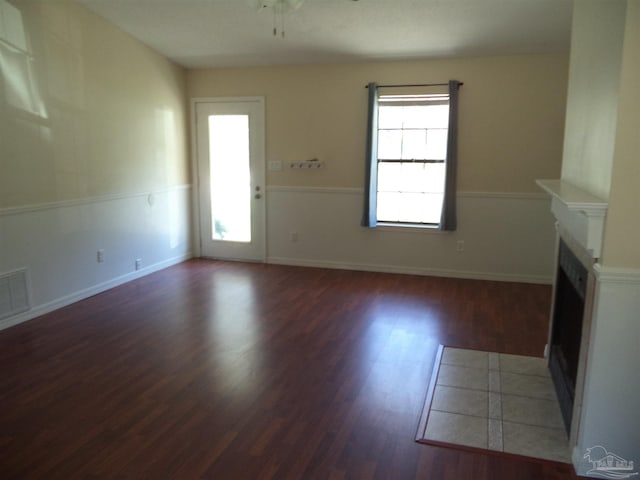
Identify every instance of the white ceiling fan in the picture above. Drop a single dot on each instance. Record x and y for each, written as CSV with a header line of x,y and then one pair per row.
x,y
279,9
281,6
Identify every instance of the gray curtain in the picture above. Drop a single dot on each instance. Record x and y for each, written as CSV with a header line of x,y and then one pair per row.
x,y
371,166
448,219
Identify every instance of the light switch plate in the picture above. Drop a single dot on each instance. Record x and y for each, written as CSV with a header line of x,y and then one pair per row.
x,y
275,166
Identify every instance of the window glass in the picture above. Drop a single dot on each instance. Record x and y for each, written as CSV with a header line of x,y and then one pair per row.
x,y
389,117
436,144
414,144
390,144
390,178
412,150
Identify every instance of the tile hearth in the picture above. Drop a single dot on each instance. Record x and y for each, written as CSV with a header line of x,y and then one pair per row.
x,y
499,402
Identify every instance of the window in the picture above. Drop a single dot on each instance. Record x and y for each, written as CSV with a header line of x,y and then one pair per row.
x,y
411,159
412,150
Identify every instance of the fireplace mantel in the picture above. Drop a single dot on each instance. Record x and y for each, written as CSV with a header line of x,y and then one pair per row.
x,y
578,212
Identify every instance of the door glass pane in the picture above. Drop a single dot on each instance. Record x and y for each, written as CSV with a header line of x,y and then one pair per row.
x,y
230,177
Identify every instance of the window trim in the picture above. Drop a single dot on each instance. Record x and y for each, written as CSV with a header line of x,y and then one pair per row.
x,y
425,101
448,216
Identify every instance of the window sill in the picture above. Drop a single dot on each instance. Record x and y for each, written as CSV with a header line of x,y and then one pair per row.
x,y
408,227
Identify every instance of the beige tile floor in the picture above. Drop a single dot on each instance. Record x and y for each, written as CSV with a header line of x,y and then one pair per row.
x,y
499,402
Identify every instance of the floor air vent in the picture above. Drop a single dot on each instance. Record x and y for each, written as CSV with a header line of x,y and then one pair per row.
x,y
14,296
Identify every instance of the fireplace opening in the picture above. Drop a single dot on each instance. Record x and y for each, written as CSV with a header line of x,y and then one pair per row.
x,y
568,311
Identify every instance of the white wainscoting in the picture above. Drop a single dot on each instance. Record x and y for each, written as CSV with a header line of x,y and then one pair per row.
x,y
609,415
57,243
507,237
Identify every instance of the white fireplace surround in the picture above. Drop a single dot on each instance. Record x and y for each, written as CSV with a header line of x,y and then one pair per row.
x,y
605,409
580,223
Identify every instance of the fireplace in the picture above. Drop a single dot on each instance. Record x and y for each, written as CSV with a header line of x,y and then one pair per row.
x,y
599,304
580,223
566,334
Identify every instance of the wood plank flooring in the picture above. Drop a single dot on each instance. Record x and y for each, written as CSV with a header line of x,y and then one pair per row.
x,y
219,370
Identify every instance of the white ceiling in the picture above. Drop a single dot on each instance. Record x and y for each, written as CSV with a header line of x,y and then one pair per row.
x,y
212,33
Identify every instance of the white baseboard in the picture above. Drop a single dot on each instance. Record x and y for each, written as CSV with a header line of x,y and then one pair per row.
x,y
500,277
39,310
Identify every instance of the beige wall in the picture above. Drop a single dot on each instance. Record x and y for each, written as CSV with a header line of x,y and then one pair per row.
x,y
602,138
592,103
511,116
93,155
85,110
622,230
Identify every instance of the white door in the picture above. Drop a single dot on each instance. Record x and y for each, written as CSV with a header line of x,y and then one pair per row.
x,y
230,157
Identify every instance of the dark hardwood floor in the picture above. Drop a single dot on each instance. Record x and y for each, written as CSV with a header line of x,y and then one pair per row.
x,y
217,370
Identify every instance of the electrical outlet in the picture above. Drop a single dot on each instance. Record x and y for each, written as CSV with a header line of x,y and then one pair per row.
x,y
460,246
100,256
138,263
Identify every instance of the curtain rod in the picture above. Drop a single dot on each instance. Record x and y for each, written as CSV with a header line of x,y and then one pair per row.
x,y
417,85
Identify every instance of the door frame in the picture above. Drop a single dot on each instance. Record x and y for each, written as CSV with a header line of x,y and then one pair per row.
x,y
195,170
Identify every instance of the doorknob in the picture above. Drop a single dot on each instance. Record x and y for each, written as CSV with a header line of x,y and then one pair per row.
x,y
257,196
